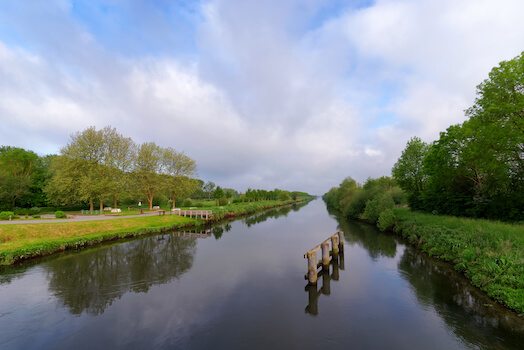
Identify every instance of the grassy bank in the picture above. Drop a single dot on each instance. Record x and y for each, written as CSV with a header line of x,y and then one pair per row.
x,y
25,241
490,254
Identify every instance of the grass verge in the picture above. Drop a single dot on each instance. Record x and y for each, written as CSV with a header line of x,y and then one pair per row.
x,y
26,241
490,254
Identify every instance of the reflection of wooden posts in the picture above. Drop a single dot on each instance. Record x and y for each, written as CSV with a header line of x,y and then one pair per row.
x,y
335,274
312,266
313,294
326,282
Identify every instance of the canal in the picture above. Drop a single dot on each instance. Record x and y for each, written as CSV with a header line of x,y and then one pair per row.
x,y
242,286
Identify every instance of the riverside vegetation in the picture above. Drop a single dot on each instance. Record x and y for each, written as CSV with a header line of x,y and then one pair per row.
x,y
474,171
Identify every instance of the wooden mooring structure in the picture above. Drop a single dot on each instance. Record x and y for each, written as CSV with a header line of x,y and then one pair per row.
x,y
337,245
203,214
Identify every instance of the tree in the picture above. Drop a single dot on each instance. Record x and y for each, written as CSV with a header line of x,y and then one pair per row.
x,y
120,155
209,187
18,172
91,166
180,169
409,170
218,193
148,166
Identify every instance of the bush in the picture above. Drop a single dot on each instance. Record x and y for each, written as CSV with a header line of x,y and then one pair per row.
x,y
60,214
222,201
187,203
376,206
386,220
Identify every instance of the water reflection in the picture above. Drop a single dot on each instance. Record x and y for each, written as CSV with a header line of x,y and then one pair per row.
x,y
466,311
378,245
469,313
335,265
272,214
90,281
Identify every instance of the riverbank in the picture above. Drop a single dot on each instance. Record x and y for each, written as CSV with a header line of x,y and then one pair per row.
x,y
30,240
490,254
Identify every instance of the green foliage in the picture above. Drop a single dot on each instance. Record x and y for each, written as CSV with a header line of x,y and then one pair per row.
x,y
476,168
351,199
376,206
284,196
386,220
409,170
60,214
222,201
488,253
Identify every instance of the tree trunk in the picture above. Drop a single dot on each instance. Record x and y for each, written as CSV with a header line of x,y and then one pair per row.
x,y
101,204
91,204
115,204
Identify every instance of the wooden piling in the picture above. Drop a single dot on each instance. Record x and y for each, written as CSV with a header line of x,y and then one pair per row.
x,y
325,254
340,241
334,244
312,267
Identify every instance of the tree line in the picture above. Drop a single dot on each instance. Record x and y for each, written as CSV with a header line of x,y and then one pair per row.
x,y
102,166
476,168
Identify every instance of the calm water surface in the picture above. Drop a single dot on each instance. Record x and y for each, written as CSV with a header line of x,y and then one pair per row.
x,y
243,287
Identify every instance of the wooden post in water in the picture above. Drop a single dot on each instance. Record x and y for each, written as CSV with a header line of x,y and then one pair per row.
x,y
334,245
312,266
325,255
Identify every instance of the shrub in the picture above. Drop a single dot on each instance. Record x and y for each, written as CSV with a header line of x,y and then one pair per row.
x,y
187,203
222,201
376,206
60,214
386,220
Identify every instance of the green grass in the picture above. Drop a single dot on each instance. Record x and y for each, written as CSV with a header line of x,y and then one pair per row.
x,y
29,240
24,241
489,253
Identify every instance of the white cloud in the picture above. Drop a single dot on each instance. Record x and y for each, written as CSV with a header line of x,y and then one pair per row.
x,y
267,99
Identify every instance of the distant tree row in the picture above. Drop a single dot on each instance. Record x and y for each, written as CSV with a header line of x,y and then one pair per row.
x,y
95,165
476,168
102,166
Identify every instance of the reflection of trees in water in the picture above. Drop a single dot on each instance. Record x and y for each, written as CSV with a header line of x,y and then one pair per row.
x,y
92,280
462,307
377,244
273,213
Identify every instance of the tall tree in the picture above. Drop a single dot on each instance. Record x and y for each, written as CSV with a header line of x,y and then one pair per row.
x,y
148,167
209,187
180,170
218,193
87,165
18,171
409,170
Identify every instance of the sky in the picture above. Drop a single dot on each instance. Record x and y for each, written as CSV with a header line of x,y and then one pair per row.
x,y
288,94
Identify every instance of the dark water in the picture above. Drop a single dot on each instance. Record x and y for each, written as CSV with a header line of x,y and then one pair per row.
x,y
243,287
